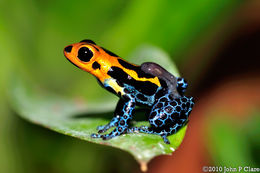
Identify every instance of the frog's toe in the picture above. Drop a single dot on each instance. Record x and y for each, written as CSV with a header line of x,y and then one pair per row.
x,y
144,128
101,127
165,139
106,137
132,130
94,135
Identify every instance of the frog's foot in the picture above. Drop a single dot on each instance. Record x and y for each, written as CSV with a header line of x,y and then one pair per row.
x,y
116,132
121,121
112,123
149,130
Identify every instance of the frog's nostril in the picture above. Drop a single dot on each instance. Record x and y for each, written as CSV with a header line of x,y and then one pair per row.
x,y
68,49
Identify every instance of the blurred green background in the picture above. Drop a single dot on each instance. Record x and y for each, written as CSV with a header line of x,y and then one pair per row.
x,y
215,44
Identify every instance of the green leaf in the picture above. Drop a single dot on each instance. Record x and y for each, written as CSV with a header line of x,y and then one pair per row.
x,y
79,118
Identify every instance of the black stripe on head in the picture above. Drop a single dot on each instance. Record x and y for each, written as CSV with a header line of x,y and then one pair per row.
x,y
137,69
145,87
109,53
88,41
96,48
96,65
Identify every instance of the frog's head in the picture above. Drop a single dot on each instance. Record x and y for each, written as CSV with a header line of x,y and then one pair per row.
x,y
91,58
85,55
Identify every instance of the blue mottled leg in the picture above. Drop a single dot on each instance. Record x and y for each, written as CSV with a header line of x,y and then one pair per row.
x,y
167,117
112,123
149,130
115,120
124,112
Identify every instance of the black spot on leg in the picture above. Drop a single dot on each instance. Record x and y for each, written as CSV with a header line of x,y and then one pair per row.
x,y
178,108
169,109
159,105
158,122
173,103
122,122
184,106
183,99
183,115
142,97
174,115
163,116
120,129
178,101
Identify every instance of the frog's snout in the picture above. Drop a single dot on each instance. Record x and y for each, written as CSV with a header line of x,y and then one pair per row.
x,y
68,49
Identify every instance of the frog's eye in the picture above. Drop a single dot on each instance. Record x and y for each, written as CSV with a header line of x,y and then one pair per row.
x,y
85,54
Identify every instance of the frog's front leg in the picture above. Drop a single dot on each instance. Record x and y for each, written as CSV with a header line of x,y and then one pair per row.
x,y
115,120
167,116
123,113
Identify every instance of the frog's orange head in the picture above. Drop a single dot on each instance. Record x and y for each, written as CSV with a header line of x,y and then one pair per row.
x,y
85,55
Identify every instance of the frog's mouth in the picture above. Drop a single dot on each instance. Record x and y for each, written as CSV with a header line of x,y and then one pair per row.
x,y
71,62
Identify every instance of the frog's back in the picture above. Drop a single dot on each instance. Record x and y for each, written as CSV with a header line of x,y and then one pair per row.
x,y
167,80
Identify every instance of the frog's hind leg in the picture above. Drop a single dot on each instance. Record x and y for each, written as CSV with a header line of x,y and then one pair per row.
x,y
167,117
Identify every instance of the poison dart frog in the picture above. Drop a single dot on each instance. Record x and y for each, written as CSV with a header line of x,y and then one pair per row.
x,y
147,85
